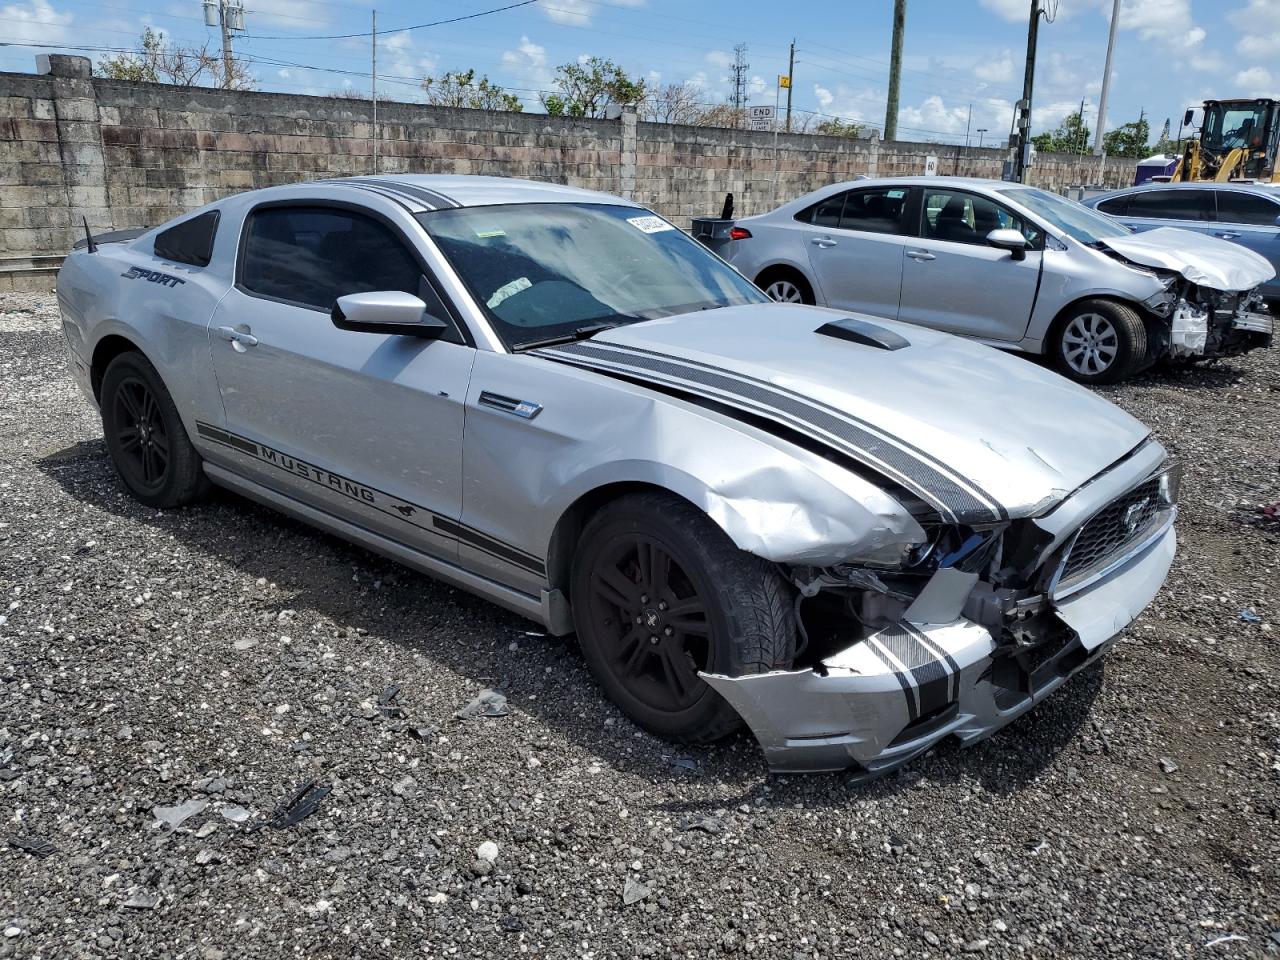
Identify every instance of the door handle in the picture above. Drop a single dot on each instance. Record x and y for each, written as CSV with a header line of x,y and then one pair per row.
x,y
242,337
823,242
1227,236
920,256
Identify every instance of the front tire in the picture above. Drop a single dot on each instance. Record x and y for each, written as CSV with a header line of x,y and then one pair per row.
x,y
1100,342
659,594
145,437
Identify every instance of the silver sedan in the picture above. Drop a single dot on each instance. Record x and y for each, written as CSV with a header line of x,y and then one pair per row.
x,y
1012,266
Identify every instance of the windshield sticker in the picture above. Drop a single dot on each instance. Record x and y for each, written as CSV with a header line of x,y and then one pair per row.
x,y
650,224
896,194
489,234
508,290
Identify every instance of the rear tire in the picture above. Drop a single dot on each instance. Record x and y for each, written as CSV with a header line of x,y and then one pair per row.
x,y
659,594
784,285
145,437
1099,342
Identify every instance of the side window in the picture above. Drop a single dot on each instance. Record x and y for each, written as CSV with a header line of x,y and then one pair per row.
x,y
313,255
967,218
1169,205
824,213
881,210
1235,206
190,241
1116,206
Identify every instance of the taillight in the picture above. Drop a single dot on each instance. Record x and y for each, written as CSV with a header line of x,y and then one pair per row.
x,y
739,233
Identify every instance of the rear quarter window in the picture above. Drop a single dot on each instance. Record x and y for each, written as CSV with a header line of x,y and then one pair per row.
x,y
190,241
1116,206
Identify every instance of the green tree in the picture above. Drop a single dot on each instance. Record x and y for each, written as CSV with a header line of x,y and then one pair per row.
x,y
587,89
459,89
1072,136
1128,140
835,127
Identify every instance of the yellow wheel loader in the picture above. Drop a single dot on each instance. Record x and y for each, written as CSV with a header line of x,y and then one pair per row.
x,y
1238,141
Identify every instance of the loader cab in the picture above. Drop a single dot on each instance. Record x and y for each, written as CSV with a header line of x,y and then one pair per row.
x,y
1250,126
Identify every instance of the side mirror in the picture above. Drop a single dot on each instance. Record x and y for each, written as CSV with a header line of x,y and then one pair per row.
x,y
1188,116
386,311
1011,240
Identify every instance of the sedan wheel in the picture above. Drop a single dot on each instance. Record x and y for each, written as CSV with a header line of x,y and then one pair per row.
x,y
1100,341
1090,344
784,291
661,594
140,435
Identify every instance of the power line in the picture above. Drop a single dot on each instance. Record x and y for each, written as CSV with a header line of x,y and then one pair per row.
x,y
416,26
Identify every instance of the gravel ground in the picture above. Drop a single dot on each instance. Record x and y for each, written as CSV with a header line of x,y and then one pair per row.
x,y
204,663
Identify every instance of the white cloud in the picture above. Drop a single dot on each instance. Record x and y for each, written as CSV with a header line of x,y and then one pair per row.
x,y
577,13
1167,21
1256,82
998,70
1259,26
1018,11
34,22
528,64
719,58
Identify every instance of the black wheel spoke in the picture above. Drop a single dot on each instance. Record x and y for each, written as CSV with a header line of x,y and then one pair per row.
x,y
689,617
633,653
128,439
129,402
612,586
675,668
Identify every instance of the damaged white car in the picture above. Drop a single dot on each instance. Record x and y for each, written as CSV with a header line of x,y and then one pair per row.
x,y
858,536
1012,266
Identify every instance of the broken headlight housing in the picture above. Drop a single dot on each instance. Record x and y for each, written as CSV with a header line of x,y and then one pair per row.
x,y
1161,303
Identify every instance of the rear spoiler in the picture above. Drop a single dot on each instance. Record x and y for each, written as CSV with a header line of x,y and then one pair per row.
x,y
113,236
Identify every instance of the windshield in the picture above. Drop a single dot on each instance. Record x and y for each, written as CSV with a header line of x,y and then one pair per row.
x,y
1227,127
542,271
1075,220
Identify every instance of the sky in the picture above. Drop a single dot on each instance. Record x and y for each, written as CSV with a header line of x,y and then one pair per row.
x,y
959,55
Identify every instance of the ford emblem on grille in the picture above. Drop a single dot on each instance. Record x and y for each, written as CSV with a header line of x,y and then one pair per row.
x,y
1133,515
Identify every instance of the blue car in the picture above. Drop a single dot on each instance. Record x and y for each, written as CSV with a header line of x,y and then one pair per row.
x,y
1245,213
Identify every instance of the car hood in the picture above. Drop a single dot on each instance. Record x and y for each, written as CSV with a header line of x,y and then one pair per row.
x,y
955,413
1205,261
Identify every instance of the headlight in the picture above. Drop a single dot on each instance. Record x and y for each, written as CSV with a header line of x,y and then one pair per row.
x,y
1170,483
1161,302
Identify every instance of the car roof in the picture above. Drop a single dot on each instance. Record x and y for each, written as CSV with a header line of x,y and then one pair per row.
x,y
438,191
1265,189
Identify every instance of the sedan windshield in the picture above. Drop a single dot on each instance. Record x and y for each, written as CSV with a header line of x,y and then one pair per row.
x,y
1073,219
546,271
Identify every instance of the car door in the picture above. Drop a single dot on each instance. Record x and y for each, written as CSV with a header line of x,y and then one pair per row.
x,y
365,426
953,280
1251,220
1186,208
855,241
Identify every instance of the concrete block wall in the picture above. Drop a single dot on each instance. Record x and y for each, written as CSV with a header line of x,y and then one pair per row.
x,y
124,154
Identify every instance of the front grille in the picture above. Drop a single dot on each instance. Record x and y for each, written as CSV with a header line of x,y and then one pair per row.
x,y
1117,525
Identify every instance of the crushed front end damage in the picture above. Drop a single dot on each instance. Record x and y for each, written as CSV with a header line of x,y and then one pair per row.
x,y
974,629
1209,305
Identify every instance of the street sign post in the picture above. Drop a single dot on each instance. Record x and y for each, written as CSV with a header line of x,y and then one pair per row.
x,y
761,118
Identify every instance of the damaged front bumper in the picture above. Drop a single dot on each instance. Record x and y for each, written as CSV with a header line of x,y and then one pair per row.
x,y
1233,326
894,694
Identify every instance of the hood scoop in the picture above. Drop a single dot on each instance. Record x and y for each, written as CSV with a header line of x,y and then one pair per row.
x,y
863,332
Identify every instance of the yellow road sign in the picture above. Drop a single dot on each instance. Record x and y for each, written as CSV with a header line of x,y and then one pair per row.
x,y
784,81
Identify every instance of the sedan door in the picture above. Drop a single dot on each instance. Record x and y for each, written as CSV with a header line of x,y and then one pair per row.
x,y
1185,208
953,280
855,241
1251,220
364,426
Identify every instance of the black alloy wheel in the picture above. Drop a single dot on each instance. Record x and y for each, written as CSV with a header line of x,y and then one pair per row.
x,y
140,435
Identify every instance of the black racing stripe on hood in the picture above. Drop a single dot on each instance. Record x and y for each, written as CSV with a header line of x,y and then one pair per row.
x,y
913,471
942,468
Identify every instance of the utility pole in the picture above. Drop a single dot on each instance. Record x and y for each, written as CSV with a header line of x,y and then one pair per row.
x,y
791,71
895,69
373,85
981,131
228,15
1024,106
1106,81
740,68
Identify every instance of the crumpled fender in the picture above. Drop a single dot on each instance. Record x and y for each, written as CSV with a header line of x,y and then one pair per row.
x,y
1205,261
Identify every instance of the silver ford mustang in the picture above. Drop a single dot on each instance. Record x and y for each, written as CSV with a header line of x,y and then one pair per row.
x,y
857,536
